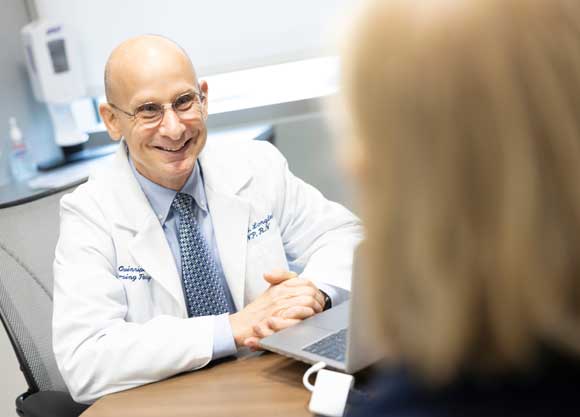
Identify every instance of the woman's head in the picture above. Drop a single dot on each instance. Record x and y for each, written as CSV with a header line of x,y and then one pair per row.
x,y
466,117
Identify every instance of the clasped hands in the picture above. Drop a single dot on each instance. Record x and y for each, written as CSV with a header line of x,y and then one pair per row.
x,y
288,300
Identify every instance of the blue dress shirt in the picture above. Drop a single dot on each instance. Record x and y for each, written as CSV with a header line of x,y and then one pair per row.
x,y
160,199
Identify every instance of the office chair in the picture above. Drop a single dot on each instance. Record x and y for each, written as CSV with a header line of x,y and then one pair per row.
x,y
28,235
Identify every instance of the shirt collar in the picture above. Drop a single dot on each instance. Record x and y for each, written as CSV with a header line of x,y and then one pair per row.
x,y
161,198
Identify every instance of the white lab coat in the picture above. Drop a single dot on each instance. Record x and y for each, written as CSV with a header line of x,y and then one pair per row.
x,y
120,318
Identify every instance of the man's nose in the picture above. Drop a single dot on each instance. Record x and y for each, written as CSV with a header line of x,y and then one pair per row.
x,y
171,125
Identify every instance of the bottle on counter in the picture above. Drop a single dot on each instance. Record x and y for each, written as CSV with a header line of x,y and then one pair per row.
x,y
5,176
22,165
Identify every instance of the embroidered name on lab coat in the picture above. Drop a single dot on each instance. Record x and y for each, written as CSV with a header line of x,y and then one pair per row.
x,y
260,227
132,273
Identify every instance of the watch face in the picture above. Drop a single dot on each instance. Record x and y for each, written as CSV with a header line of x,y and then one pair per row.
x,y
327,300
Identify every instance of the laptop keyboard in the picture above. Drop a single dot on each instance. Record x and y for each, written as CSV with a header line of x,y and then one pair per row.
x,y
332,346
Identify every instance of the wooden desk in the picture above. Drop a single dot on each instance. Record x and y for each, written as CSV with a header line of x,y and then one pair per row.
x,y
268,385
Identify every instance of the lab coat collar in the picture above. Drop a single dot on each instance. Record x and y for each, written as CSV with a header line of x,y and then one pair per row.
x,y
161,198
224,177
221,175
132,209
223,172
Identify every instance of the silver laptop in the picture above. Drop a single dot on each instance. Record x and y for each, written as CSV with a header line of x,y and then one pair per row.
x,y
338,336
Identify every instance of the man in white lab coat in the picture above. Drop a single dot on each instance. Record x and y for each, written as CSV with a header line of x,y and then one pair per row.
x,y
180,251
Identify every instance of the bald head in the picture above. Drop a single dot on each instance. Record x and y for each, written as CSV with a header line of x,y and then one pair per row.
x,y
152,70
136,54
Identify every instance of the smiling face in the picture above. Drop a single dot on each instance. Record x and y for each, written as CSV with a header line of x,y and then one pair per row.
x,y
152,69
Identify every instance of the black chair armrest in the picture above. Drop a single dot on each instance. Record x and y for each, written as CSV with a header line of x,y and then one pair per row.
x,y
49,404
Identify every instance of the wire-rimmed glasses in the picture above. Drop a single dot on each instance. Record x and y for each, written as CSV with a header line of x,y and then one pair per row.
x,y
187,107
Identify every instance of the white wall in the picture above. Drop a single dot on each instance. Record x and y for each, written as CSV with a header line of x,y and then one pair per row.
x,y
219,35
308,144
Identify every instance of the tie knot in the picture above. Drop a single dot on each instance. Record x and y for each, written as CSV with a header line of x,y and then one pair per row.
x,y
182,202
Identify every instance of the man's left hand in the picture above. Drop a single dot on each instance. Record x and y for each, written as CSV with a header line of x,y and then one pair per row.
x,y
292,313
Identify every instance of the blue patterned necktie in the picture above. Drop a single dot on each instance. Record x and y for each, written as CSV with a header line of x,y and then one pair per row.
x,y
204,294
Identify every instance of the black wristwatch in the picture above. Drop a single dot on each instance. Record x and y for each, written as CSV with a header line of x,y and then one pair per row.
x,y
327,300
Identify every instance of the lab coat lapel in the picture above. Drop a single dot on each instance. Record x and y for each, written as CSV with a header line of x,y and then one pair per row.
x,y
148,246
230,215
151,250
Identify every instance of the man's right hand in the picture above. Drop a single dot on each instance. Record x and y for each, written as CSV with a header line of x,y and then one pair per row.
x,y
288,300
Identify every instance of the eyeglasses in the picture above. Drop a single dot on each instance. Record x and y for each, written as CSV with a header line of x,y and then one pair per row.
x,y
187,107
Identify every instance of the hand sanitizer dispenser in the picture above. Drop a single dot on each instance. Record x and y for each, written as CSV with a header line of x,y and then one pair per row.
x,y
53,64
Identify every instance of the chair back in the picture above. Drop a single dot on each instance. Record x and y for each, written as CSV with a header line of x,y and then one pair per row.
x,y
28,236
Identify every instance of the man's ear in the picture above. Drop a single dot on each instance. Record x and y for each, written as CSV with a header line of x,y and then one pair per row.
x,y
111,121
205,91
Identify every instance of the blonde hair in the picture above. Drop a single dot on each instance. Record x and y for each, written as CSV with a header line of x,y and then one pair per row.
x,y
469,115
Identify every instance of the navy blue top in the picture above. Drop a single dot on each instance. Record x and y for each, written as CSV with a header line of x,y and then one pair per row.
x,y
549,390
